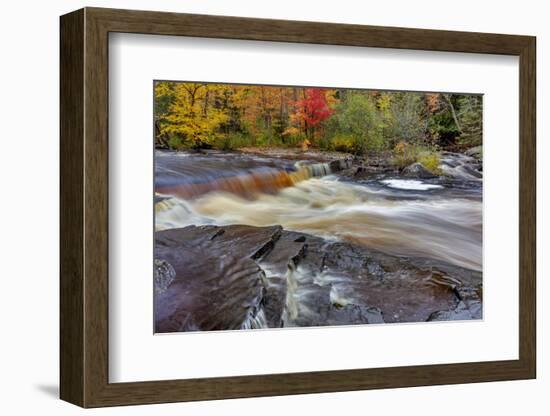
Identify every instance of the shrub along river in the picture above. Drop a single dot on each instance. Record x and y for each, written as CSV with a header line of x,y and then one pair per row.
x,y
256,241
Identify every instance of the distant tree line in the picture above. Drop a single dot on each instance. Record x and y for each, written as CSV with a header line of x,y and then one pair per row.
x,y
200,115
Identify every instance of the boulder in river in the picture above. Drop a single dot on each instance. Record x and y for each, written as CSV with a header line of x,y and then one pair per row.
x,y
340,164
476,152
461,166
418,170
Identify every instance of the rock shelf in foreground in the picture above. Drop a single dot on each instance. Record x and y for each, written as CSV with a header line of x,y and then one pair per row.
x,y
242,277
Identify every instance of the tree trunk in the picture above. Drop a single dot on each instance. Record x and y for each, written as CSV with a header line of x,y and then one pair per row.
x,y
159,139
453,112
205,106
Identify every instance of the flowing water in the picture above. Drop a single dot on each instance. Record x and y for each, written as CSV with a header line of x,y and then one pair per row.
x,y
440,219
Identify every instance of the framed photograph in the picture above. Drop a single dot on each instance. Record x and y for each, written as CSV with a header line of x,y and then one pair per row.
x,y
255,207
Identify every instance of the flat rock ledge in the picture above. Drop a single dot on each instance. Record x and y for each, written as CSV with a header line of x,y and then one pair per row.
x,y
243,277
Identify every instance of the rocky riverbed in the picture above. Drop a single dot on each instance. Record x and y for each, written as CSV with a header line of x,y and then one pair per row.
x,y
267,241
240,277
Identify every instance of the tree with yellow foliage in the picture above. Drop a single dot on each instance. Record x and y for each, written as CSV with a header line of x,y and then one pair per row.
x,y
191,120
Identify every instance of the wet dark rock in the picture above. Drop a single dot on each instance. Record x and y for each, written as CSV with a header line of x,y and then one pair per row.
x,y
215,286
476,152
374,316
210,291
452,163
164,275
354,314
472,299
274,303
222,239
471,170
238,276
460,313
417,170
368,169
340,164
461,166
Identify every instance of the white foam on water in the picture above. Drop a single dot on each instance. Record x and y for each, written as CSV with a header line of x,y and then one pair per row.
x,y
410,184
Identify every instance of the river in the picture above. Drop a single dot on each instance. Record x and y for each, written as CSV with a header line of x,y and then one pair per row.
x,y
438,218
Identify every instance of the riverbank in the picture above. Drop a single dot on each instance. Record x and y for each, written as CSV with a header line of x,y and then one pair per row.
x,y
385,163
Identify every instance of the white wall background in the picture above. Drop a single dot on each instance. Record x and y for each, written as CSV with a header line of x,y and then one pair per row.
x,y
29,211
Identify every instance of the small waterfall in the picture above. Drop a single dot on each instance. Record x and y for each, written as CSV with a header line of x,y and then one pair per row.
x,y
255,321
290,313
249,184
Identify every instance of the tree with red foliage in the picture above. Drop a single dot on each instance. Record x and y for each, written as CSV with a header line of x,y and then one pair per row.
x,y
312,110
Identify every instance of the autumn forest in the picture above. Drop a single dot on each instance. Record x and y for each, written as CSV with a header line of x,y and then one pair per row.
x,y
223,116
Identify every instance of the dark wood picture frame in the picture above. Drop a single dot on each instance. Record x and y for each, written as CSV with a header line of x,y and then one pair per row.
x,y
84,207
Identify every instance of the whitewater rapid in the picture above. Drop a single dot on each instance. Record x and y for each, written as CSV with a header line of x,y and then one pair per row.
x,y
433,226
